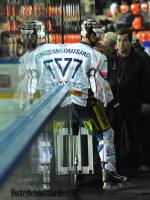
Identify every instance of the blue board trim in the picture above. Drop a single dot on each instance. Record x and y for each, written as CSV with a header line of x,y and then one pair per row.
x,y
9,61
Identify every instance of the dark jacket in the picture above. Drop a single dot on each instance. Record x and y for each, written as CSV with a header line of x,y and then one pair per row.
x,y
131,84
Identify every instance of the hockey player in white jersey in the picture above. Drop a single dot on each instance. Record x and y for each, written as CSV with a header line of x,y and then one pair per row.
x,y
85,71
33,33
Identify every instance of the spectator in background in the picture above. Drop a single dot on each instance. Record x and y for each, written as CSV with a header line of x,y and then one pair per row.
x,y
108,43
145,118
14,45
129,77
8,45
121,16
114,9
20,49
115,14
140,49
125,17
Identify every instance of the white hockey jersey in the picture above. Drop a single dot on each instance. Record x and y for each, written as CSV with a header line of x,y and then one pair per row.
x,y
71,64
28,71
76,65
27,79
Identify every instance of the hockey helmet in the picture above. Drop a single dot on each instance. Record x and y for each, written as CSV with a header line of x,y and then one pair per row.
x,y
30,27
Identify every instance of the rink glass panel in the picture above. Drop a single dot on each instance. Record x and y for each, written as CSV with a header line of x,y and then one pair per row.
x,y
37,169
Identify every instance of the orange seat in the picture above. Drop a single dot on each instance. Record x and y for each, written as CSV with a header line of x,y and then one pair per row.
x,y
141,36
49,11
137,23
7,10
28,10
135,8
13,25
13,11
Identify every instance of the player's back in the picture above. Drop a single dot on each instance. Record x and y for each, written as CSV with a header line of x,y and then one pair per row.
x,y
66,64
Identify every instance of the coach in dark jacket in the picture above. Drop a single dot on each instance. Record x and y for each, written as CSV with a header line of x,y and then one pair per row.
x,y
129,77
